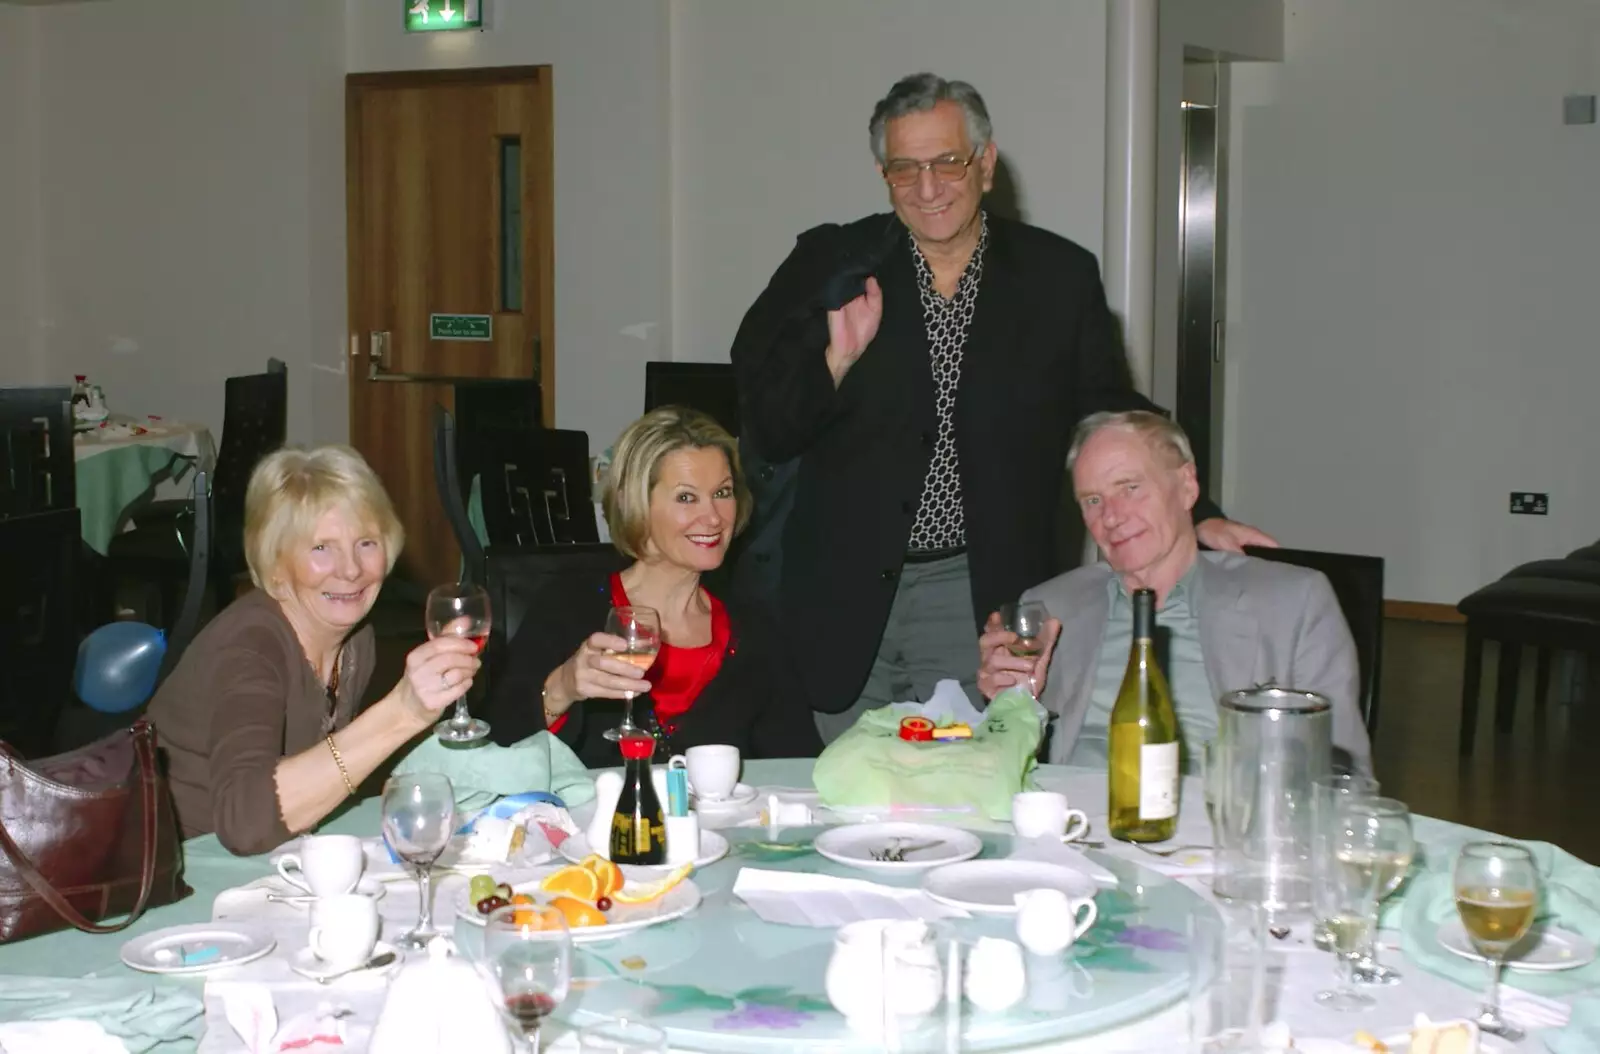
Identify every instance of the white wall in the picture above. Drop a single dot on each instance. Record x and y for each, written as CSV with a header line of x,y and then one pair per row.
x,y
770,104
609,82
176,197
19,193
1412,300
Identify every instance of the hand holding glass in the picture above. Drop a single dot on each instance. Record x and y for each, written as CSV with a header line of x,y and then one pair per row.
x,y
1026,619
460,610
640,629
1497,896
419,814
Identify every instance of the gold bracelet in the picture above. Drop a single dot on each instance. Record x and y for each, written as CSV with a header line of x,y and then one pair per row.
x,y
339,760
544,701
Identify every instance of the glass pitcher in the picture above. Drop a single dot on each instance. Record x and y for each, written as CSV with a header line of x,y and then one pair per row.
x,y
1272,745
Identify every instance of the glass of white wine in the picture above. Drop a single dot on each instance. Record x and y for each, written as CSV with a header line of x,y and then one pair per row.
x,y
1327,794
1026,619
1393,847
1362,855
640,630
1497,896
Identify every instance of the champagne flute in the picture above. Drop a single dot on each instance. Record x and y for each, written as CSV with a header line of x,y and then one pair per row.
x,y
1347,886
640,629
460,610
1391,849
419,812
1327,794
1497,895
528,952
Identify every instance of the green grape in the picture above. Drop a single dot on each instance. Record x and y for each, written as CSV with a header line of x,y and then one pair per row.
x,y
481,886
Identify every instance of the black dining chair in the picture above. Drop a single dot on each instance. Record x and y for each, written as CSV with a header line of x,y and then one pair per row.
x,y
38,632
157,549
705,386
38,470
1358,585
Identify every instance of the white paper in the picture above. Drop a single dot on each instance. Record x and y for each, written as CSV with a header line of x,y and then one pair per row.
x,y
794,898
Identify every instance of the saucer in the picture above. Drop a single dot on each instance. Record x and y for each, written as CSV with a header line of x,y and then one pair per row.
x,y
306,964
743,794
367,887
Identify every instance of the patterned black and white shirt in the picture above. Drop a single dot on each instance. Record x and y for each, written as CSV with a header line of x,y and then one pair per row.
x,y
940,523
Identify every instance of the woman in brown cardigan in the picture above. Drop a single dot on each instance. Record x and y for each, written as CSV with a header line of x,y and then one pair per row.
x,y
258,720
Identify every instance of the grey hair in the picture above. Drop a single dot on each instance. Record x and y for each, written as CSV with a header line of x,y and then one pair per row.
x,y
920,93
1163,434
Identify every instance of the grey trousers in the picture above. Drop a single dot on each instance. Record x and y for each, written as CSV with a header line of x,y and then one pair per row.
x,y
929,637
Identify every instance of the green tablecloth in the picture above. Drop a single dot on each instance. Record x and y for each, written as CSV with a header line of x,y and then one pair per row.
x,y
113,475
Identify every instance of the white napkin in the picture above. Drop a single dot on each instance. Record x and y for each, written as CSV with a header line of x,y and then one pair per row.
x,y
61,1036
1534,1011
250,1010
1053,851
795,898
948,705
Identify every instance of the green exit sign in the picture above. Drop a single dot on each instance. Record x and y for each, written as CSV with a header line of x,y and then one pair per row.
x,y
434,16
461,327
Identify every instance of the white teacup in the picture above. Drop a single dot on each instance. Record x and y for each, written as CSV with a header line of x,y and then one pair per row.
x,y
713,771
343,930
326,865
1044,814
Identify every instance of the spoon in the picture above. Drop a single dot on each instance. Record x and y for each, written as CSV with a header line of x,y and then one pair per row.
x,y
377,962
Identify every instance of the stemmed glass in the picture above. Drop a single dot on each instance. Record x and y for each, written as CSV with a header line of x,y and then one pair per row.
x,y
1348,883
1393,847
640,629
419,813
460,609
1497,895
528,953
1327,795
1026,619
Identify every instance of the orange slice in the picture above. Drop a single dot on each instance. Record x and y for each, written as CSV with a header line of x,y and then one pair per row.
x,y
645,892
610,876
574,881
577,913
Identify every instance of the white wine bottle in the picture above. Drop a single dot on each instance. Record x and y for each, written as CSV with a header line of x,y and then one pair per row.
x,y
1143,741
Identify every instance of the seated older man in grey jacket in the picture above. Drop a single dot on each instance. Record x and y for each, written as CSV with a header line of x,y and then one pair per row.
x,y
1233,621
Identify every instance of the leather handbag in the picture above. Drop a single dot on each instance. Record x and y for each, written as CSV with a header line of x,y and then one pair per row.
x,y
86,836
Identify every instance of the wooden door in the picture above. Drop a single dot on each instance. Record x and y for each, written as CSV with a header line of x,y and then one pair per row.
x,y
449,197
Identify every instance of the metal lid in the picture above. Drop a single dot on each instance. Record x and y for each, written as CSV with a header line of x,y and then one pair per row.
x,y
1264,699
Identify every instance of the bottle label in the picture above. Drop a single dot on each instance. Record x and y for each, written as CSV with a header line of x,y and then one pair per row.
x,y
1158,781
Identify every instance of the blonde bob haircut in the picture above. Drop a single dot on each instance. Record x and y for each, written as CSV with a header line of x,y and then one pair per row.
x,y
291,489
636,469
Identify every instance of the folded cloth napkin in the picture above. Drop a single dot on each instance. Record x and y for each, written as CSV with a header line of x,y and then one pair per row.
x,y
1569,898
58,1037
1582,1034
134,1010
480,775
798,898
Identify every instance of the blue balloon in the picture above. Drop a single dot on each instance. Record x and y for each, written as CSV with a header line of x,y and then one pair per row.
x,y
118,665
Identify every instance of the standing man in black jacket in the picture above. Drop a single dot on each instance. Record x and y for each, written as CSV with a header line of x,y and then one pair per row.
x,y
927,368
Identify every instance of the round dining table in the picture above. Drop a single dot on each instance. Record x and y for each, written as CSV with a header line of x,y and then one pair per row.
x,y
122,460
722,979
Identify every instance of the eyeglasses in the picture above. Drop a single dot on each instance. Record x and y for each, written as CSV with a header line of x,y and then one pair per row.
x,y
904,172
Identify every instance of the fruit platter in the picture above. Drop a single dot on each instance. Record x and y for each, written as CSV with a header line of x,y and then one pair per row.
x,y
595,898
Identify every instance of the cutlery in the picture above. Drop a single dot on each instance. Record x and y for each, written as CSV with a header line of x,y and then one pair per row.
x,y
377,962
895,853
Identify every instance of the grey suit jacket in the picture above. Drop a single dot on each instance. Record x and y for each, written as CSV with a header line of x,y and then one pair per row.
x,y
1259,620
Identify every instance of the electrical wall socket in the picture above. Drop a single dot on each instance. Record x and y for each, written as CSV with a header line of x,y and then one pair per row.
x,y
1530,503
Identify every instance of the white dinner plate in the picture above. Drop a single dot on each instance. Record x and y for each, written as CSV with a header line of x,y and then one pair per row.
x,y
623,918
713,847
743,794
305,963
197,948
990,887
854,844
1553,949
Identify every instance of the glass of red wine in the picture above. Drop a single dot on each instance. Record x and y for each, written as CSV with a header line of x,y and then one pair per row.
x,y
528,952
460,610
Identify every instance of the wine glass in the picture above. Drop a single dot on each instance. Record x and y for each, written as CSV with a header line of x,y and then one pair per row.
x,y
1392,848
1346,886
1327,794
640,628
1026,619
1497,895
419,813
460,609
528,952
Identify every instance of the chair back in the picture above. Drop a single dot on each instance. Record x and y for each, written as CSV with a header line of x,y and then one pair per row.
x,y
37,467
255,410
705,386
201,554
1358,584
518,577
498,402
452,496
38,635
532,485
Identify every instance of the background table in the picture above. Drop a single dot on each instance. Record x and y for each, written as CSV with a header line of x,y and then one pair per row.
x,y
1300,969
115,472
